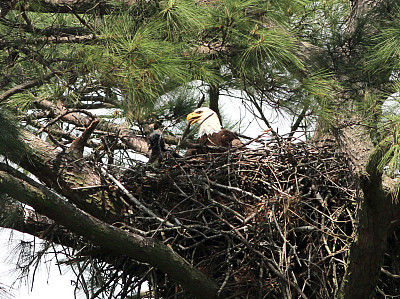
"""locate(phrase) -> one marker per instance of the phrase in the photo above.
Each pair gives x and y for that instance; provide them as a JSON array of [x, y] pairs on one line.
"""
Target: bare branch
[[132, 141], [22, 87], [50, 40], [69, 6], [147, 250]]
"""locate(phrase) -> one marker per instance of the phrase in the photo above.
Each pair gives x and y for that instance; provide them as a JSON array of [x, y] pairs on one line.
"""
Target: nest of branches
[[270, 222]]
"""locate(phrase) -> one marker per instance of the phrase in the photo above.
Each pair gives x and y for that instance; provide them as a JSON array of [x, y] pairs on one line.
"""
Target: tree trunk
[[377, 213], [214, 99], [367, 251], [377, 210]]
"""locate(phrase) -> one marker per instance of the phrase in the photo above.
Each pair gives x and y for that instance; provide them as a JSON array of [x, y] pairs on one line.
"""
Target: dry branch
[[66, 6], [24, 86], [128, 138], [257, 223], [117, 240], [51, 40]]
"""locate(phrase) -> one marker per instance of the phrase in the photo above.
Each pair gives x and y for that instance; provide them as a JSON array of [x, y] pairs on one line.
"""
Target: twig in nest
[[134, 200]]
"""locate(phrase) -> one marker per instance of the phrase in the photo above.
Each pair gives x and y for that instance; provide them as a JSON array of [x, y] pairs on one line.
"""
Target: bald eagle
[[211, 134], [158, 149]]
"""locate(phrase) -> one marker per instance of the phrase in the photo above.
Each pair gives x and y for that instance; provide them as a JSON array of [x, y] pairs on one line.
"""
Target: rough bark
[[376, 214], [108, 237], [25, 86], [128, 137], [28, 221], [117, 240], [214, 99], [132, 141], [367, 252], [66, 175], [66, 6], [377, 209], [375, 224]]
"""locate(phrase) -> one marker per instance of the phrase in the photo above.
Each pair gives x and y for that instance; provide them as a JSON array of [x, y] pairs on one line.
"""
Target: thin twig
[[134, 200]]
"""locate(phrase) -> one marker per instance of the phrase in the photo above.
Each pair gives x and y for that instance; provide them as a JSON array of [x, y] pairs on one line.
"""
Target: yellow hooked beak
[[192, 117]]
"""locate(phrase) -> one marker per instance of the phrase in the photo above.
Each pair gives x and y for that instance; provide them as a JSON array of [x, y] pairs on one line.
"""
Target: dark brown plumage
[[212, 137], [159, 150]]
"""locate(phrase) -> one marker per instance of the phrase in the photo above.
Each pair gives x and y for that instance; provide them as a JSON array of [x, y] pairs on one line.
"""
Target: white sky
[[233, 109], [49, 283]]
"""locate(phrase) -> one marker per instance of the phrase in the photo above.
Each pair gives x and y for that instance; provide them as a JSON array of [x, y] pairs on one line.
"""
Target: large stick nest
[[271, 222]]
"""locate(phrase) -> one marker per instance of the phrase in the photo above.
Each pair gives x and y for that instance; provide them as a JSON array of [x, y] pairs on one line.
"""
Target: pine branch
[[133, 199], [68, 6], [50, 40], [30, 222], [132, 141], [22, 87], [147, 250], [79, 143]]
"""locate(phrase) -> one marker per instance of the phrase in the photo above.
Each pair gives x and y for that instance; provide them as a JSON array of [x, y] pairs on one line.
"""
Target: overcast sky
[[49, 283]]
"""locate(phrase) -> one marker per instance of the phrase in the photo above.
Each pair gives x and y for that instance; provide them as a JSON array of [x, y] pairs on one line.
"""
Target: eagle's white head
[[207, 119]]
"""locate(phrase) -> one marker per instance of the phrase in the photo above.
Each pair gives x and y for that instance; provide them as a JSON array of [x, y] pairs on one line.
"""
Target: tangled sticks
[[270, 222]]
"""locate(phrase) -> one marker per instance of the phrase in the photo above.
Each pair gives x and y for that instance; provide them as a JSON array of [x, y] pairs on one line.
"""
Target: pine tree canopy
[[313, 213]]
